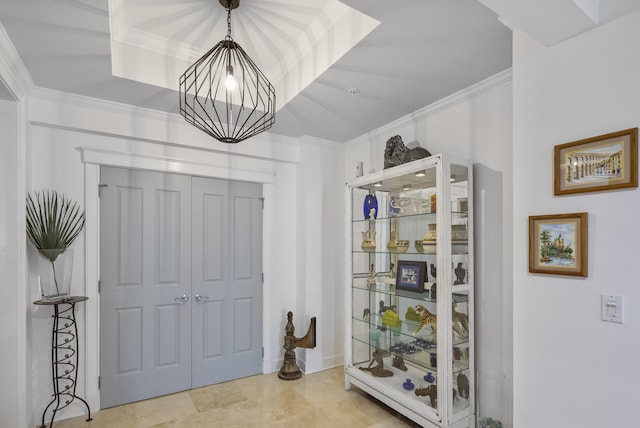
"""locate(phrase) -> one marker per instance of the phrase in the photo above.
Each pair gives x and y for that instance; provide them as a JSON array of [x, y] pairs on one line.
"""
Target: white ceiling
[[553, 21], [422, 51], [401, 55]]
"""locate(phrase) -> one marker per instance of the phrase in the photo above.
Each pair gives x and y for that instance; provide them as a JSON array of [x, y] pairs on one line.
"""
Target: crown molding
[[497, 80], [263, 146], [83, 101], [13, 72], [99, 104]]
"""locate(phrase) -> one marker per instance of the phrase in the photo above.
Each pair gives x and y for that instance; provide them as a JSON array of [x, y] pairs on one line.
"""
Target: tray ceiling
[[292, 41]]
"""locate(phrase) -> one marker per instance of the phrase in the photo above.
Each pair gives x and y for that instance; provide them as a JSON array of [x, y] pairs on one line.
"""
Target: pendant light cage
[[210, 103]]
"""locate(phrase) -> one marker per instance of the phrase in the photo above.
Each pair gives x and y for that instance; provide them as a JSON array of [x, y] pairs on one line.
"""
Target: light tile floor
[[315, 400]]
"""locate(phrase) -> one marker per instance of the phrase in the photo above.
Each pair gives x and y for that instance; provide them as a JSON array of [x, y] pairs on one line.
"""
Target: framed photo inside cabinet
[[605, 162], [558, 244], [410, 276]]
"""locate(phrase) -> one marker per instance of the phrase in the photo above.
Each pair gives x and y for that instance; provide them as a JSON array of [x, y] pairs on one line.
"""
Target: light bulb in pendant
[[230, 83]]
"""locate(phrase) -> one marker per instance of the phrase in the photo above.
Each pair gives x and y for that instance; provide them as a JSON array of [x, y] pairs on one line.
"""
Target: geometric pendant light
[[225, 94]]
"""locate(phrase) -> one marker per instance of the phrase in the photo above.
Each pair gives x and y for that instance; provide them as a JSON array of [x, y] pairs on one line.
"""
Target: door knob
[[182, 298], [198, 297]]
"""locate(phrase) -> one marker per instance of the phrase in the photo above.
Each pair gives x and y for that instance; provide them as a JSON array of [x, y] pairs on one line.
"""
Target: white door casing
[[93, 159]]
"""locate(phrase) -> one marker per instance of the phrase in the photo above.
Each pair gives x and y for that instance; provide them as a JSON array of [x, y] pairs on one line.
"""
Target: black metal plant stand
[[64, 355]]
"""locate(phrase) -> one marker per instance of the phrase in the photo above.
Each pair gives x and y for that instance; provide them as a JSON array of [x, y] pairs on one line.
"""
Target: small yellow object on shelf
[[411, 314], [391, 318]]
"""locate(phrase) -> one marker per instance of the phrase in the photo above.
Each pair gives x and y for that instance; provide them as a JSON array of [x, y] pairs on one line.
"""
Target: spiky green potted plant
[[53, 223]]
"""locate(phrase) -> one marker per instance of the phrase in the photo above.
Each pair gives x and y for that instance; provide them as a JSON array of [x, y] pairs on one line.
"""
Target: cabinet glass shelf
[[389, 289], [403, 334], [431, 216], [458, 296], [420, 358], [430, 249]]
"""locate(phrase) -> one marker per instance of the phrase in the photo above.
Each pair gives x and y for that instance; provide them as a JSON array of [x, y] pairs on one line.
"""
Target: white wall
[[321, 262], [15, 355], [570, 368], [11, 333], [300, 262], [475, 124], [490, 125]]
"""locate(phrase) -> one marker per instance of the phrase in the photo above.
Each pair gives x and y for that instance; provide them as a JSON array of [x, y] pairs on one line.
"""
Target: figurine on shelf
[[430, 391], [457, 353], [371, 278], [426, 319], [463, 385], [396, 245], [365, 314], [398, 362], [460, 272], [384, 308], [378, 370], [368, 240], [460, 322]]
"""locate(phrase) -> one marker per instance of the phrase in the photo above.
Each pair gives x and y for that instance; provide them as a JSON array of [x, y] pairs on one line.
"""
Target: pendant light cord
[[228, 38], [228, 21]]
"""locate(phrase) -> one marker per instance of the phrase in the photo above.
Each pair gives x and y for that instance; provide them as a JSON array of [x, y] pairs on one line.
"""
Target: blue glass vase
[[429, 377], [408, 385], [370, 207]]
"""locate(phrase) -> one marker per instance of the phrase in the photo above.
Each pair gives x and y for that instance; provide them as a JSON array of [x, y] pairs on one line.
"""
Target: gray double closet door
[[180, 283]]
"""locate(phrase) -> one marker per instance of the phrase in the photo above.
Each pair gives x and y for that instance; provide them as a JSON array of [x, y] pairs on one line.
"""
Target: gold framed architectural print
[[605, 162], [558, 244]]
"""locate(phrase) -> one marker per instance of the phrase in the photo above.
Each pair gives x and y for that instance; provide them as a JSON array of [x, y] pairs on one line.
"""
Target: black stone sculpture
[[396, 153]]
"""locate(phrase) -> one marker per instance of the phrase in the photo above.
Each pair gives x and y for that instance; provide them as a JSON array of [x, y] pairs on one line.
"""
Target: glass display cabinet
[[409, 290]]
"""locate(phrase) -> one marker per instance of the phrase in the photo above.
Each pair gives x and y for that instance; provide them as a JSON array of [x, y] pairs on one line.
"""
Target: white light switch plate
[[612, 308]]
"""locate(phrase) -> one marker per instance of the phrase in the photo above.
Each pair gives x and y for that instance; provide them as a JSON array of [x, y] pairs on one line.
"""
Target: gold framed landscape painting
[[558, 244], [605, 162]]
